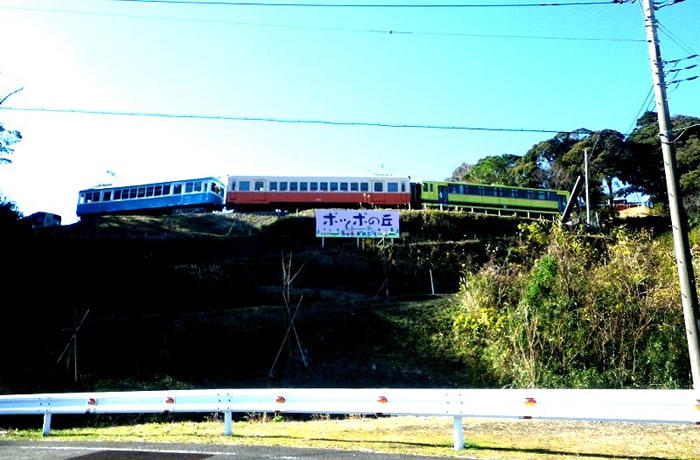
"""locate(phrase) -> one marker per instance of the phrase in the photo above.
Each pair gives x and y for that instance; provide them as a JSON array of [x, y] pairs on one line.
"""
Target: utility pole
[[679, 224], [585, 169]]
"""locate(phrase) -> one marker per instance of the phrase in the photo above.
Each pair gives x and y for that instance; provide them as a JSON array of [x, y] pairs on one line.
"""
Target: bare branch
[[13, 92]]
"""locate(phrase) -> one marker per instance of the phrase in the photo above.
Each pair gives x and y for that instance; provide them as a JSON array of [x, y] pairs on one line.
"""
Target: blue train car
[[204, 194]]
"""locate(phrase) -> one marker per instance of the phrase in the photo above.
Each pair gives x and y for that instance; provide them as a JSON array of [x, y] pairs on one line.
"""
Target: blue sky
[[221, 88]]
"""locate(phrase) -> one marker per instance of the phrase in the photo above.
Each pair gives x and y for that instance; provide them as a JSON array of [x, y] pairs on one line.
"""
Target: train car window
[[243, 186], [334, 186], [133, 193], [273, 186], [323, 186], [197, 186], [426, 187], [354, 186], [303, 186], [378, 187], [392, 187], [343, 186], [177, 189], [107, 195], [283, 186], [293, 186], [313, 186], [259, 186], [149, 190], [364, 186], [158, 190], [117, 194], [188, 187], [141, 192]]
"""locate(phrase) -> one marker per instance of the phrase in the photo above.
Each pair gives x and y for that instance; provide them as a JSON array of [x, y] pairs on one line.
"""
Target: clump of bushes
[[562, 309]]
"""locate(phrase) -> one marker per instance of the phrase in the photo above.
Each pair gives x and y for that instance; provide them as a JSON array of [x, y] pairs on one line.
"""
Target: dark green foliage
[[538, 305], [7, 139], [11, 223], [578, 314]]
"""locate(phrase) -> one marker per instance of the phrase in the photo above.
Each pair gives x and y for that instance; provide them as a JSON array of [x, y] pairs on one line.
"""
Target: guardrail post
[[228, 417], [47, 424], [458, 434]]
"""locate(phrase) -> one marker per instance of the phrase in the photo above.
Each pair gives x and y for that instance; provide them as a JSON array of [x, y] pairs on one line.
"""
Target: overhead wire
[[371, 5], [322, 28], [341, 5], [278, 120]]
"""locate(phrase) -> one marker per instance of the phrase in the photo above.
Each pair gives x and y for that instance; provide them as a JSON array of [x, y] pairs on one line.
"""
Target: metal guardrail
[[652, 406]]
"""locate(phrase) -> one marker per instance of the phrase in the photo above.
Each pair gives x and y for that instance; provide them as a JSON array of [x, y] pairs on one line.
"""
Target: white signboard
[[344, 223]]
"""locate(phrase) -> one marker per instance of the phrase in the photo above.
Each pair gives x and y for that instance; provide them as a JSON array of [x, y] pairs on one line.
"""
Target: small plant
[[263, 417]]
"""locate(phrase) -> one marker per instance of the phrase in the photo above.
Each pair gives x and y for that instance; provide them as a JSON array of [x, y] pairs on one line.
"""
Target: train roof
[[144, 184], [316, 177]]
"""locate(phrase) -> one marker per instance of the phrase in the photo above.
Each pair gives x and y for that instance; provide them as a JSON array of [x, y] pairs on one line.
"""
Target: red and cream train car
[[291, 193]]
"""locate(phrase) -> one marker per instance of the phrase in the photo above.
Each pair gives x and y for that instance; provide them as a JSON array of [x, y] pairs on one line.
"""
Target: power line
[[646, 106], [282, 120], [366, 5], [332, 29]]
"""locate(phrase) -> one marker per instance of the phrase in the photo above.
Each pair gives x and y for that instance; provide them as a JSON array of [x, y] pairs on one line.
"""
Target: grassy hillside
[[202, 299], [206, 299]]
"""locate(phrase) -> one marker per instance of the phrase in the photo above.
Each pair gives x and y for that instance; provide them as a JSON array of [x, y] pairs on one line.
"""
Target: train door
[[563, 201], [378, 192], [442, 195], [260, 189]]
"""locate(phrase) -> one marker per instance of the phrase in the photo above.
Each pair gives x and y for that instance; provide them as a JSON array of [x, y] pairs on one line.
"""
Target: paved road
[[47, 450]]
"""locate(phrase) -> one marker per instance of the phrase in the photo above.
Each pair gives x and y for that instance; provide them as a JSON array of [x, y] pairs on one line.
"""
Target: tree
[[11, 223], [644, 168], [8, 137], [604, 150], [461, 172], [538, 167], [490, 170]]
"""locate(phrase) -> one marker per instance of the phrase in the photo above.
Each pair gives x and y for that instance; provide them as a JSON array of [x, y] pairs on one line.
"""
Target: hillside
[[202, 300]]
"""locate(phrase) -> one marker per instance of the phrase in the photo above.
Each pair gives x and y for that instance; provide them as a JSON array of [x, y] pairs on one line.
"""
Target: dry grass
[[637, 211], [496, 439]]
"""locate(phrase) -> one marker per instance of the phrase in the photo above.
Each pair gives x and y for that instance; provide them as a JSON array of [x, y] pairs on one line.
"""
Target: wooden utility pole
[[684, 263]]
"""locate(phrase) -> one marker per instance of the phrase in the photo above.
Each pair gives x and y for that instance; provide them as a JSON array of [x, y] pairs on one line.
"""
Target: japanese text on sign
[[342, 223]]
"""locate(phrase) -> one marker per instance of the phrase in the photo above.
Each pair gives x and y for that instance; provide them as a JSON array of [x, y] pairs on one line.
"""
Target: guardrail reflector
[[91, 402], [169, 400], [281, 399], [382, 400], [529, 402]]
